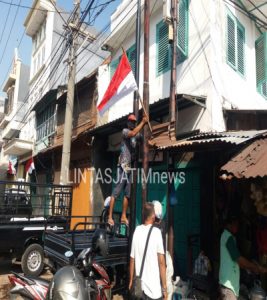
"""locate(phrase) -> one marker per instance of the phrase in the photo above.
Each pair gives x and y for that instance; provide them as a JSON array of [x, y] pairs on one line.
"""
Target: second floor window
[[38, 49], [162, 39], [131, 57], [39, 37], [235, 51], [261, 64], [45, 121]]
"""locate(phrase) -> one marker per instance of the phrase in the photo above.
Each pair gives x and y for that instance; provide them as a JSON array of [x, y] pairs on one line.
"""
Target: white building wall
[[239, 91], [204, 73]]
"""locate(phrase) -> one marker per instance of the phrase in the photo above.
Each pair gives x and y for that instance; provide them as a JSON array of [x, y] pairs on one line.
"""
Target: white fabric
[[157, 209], [107, 201], [151, 277], [127, 86], [169, 273]]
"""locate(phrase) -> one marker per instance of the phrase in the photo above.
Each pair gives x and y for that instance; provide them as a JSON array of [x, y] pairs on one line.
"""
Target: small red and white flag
[[11, 169], [30, 166], [121, 84]]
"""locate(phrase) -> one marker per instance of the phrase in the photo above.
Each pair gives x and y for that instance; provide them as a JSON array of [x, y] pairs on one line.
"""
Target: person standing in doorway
[[130, 136], [231, 261], [154, 270]]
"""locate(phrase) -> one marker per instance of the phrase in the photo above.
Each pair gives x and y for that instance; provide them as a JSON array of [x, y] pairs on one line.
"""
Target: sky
[[12, 29]]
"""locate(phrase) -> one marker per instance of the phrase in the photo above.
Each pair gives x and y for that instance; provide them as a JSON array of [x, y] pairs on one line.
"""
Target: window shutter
[[182, 31], [264, 89], [131, 53], [113, 66], [261, 59], [240, 48], [163, 49], [231, 41]]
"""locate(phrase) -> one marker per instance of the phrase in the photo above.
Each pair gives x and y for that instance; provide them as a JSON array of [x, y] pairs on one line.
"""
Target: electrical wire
[[53, 70], [59, 13], [8, 70], [56, 65], [6, 21], [239, 8], [47, 63], [105, 28], [29, 7], [9, 34]]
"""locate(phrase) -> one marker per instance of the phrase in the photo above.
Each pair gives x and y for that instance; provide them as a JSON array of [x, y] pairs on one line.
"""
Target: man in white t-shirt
[[154, 271]]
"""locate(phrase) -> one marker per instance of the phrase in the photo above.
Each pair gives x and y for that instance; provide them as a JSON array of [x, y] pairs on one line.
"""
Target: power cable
[[238, 7], [56, 65], [5, 22], [59, 13], [99, 35], [53, 70], [47, 63], [29, 7], [53, 55], [9, 34], [8, 70]]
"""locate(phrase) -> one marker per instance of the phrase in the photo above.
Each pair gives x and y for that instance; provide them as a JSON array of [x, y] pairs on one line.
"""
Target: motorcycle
[[84, 280], [28, 288]]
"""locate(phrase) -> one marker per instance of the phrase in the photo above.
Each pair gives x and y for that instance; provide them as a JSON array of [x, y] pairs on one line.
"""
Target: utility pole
[[65, 161], [146, 100], [172, 116], [136, 113]]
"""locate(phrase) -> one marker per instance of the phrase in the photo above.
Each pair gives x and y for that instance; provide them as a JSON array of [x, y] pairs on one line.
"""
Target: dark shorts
[[123, 182], [145, 297], [227, 294]]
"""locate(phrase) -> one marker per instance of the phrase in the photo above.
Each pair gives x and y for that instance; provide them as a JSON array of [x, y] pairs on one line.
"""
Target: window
[[131, 57], [131, 53], [39, 37], [235, 44], [113, 66], [162, 40], [261, 64], [163, 48], [45, 121], [9, 101], [182, 31]]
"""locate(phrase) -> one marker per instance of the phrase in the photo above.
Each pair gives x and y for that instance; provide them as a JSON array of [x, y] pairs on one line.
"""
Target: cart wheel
[[32, 262]]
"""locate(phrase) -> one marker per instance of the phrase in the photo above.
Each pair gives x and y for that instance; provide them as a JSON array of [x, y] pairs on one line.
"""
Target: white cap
[[107, 201], [157, 208]]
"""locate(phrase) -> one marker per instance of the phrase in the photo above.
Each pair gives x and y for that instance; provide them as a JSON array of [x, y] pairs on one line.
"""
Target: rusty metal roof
[[162, 140], [250, 162]]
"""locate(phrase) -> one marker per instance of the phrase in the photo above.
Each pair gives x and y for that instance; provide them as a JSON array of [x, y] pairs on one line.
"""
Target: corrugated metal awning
[[162, 141], [251, 162]]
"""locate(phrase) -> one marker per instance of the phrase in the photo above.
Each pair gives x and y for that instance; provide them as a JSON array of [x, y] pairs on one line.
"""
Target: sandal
[[126, 222]]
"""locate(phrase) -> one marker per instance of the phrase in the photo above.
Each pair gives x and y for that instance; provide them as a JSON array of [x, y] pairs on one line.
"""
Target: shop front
[[244, 181]]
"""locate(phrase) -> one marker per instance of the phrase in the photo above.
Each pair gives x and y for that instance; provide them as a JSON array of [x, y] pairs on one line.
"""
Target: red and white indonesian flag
[[121, 84], [29, 166]]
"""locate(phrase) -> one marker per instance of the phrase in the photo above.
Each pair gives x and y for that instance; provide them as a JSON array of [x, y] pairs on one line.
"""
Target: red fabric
[[123, 69], [262, 240], [11, 169], [29, 164]]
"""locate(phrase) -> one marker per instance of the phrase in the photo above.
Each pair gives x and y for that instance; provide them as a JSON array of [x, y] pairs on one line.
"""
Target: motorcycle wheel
[[32, 262]]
